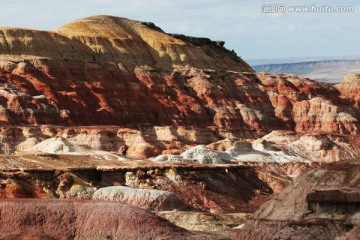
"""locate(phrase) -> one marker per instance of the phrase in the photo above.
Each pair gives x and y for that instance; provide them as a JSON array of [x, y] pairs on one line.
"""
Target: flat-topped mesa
[[113, 39]]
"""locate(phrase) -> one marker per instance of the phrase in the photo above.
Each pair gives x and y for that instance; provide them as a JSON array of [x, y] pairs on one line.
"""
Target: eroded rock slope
[[112, 71], [321, 204], [69, 219]]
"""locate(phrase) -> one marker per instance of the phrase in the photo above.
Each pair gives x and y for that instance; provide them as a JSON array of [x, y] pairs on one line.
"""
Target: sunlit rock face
[[350, 89], [108, 70], [163, 92]]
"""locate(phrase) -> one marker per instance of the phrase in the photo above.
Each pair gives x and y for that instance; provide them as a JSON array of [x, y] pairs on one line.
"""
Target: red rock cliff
[[114, 71]]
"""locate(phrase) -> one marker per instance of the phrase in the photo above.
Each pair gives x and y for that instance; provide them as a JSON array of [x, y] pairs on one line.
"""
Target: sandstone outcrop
[[57, 145], [322, 115], [102, 140], [203, 221], [244, 151], [92, 139], [350, 89], [253, 104], [217, 188], [204, 155], [277, 146], [318, 205], [105, 70], [154, 200], [227, 189], [290, 146]]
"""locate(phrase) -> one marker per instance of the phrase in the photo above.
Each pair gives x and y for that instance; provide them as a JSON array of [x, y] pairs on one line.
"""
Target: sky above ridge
[[255, 29]]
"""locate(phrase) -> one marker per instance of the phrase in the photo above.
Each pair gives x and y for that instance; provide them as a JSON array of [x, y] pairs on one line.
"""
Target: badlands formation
[[211, 141]]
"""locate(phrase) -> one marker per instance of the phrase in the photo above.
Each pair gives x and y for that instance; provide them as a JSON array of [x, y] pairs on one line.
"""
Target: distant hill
[[332, 71]]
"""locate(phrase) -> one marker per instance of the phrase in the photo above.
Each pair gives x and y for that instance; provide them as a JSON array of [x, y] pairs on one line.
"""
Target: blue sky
[[240, 23]]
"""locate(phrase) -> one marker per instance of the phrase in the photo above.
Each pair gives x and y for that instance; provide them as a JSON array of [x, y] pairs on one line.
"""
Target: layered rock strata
[[218, 189], [321, 204], [112, 71], [69, 219], [154, 200]]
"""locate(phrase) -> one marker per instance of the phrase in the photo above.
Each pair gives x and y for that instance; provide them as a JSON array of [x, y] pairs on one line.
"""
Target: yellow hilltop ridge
[[118, 40]]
